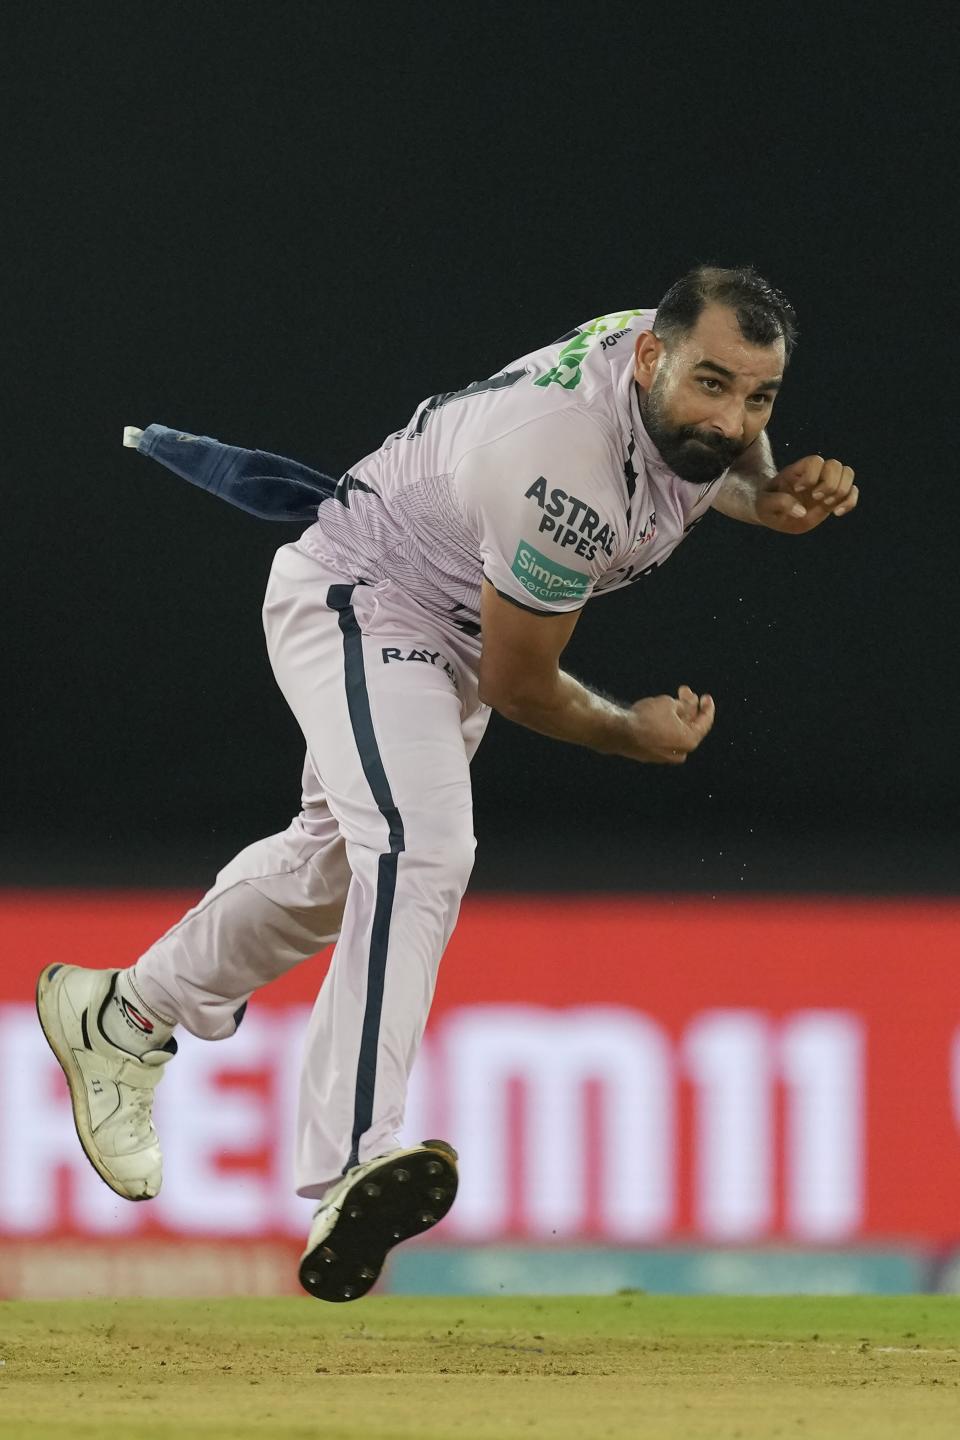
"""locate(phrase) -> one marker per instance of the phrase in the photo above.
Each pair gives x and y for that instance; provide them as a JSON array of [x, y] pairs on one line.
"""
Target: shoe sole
[[53, 1032], [405, 1196]]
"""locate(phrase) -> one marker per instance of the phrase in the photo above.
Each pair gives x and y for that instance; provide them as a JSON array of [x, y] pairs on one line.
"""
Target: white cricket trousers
[[378, 859]]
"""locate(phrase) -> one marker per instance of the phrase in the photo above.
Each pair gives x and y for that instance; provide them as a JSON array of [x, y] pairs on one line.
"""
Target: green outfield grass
[[628, 1365]]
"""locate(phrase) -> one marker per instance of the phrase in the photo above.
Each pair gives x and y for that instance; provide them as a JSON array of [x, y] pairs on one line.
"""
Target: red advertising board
[[634, 1071]]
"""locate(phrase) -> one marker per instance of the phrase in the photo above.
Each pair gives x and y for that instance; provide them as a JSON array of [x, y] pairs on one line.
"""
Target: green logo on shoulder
[[567, 371], [545, 578]]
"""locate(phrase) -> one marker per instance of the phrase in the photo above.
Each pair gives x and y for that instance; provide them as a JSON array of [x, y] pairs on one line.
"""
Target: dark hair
[[763, 313]]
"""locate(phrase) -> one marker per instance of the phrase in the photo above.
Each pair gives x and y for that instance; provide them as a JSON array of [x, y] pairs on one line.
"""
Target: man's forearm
[[572, 712], [737, 496], [658, 730]]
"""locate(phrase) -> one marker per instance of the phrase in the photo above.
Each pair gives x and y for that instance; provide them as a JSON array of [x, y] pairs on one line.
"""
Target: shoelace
[[139, 1114], [141, 1102], [139, 1085]]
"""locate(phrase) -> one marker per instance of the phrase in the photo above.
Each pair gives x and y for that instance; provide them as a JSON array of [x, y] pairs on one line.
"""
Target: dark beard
[[698, 456]]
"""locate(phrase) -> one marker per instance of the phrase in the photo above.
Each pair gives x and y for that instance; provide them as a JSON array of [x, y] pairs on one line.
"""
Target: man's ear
[[646, 358]]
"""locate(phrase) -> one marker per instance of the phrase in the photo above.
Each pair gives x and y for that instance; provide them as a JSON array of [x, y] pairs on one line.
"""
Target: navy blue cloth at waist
[[262, 484]]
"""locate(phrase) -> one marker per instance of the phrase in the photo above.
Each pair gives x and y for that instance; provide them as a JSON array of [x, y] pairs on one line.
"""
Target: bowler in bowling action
[[440, 578]]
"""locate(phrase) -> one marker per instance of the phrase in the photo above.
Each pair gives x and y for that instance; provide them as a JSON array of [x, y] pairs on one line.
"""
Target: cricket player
[[440, 578]]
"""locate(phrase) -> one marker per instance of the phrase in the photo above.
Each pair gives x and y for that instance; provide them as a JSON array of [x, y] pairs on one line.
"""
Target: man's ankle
[[125, 1020]]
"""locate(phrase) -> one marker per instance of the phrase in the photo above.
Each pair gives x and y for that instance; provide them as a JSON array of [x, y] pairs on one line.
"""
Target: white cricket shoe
[[373, 1208], [111, 1089]]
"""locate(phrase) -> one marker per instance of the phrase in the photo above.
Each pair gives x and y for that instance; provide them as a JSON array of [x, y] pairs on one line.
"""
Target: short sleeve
[[545, 506]]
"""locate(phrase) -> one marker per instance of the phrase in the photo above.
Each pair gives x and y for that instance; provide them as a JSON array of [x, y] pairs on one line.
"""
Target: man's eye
[[707, 381], [761, 399]]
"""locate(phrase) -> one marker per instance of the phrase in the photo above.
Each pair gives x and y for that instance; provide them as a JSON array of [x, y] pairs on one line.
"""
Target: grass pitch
[[638, 1366]]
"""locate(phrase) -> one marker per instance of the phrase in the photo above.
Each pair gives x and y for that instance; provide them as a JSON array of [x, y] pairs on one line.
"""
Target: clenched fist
[[667, 730], [805, 494]]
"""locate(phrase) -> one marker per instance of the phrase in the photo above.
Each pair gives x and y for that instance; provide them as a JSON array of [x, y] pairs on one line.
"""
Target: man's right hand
[[668, 729], [520, 677]]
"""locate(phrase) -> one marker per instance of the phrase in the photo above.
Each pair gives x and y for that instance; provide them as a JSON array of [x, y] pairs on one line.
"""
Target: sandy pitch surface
[[633, 1366]]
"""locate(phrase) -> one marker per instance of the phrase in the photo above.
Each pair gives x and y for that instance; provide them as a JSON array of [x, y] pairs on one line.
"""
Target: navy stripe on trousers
[[358, 706]]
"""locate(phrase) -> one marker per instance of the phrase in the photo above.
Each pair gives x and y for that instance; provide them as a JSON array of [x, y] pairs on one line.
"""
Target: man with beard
[[441, 576]]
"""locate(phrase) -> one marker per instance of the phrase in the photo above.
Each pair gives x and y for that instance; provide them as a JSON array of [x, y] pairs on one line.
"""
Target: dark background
[[285, 224]]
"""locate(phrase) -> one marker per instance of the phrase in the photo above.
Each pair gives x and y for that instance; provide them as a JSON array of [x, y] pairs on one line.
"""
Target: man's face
[[705, 397]]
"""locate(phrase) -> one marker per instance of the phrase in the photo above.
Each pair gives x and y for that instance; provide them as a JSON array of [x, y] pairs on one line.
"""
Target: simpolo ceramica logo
[[544, 578]]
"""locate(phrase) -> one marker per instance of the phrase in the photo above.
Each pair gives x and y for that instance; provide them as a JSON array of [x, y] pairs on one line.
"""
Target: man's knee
[[446, 849], [308, 861]]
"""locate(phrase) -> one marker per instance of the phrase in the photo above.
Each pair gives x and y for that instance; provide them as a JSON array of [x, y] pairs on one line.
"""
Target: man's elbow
[[498, 694], [515, 697], [500, 688]]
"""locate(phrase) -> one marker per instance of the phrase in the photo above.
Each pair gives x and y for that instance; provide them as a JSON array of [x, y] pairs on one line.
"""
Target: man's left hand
[[805, 494]]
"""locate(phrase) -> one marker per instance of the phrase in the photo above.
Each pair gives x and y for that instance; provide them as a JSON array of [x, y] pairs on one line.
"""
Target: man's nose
[[728, 418]]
